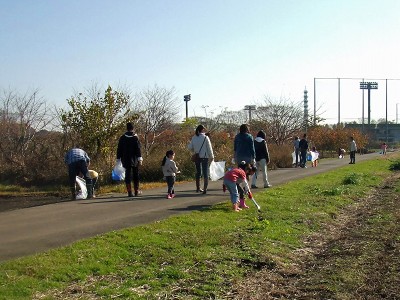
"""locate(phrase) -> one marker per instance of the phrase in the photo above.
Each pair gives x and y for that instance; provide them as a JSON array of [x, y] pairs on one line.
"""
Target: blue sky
[[226, 54]]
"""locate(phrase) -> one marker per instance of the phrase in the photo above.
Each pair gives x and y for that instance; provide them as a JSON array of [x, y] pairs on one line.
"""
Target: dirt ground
[[356, 258]]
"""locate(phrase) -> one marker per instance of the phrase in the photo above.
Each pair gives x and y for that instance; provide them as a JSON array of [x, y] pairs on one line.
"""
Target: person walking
[[262, 160], [303, 145], [169, 170], [200, 144], [384, 148], [129, 152], [244, 152], [353, 149], [78, 162]]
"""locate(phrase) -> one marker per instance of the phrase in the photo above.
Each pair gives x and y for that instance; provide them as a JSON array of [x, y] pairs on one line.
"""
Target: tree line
[[34, 136]]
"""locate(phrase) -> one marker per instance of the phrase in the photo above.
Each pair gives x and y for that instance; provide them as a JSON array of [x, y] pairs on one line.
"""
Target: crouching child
[[235, 181]]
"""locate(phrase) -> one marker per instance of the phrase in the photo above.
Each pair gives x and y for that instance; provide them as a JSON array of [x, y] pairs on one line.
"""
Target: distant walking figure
[[353, 149], [303, 145]]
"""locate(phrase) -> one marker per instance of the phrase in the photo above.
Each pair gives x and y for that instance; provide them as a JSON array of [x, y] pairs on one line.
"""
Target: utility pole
[[250, 108], [186, 98]]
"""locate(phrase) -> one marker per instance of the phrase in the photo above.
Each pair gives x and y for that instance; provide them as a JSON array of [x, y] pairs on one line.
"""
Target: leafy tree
[[94, 121]]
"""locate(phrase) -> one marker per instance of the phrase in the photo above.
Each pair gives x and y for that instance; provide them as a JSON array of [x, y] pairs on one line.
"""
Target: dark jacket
[[129, 149], [260, 145], [303, 145]]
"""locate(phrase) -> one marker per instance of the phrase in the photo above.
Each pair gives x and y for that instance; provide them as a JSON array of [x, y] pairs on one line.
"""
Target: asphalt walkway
[[37, 229]]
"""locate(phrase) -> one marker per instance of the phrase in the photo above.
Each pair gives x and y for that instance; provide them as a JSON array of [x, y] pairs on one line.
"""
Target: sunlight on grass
[[193, 256]]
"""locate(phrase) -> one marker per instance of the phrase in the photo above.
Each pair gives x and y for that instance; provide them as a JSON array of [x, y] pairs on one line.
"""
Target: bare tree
[[281, 120], [157, 110], [22, 116]]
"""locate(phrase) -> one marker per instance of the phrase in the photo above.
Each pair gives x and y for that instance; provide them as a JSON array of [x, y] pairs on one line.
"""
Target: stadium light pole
[[186, 98], [250, 108], [369, 86]]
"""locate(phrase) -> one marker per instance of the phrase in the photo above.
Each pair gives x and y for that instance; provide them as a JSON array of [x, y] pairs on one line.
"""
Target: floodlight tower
[[305, 109], [250, 108], [186, 98], [369, 86]]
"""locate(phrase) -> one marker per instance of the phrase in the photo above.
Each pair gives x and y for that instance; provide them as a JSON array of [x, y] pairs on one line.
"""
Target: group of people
[[128, 152], [250, 155], [300, 147]]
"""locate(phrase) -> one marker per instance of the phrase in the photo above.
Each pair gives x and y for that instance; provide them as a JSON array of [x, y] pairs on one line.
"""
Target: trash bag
[[217, 170], [82, 193], [118, 173], [309, 156], [294, 158]]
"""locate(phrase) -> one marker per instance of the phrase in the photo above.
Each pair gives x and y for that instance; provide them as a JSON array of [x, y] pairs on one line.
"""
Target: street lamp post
[[397, 113], [250, 108], [186, 98], [369, 86]]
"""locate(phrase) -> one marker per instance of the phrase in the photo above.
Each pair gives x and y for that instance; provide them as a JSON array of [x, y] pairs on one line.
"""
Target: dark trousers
[[77, 168], [303, 157], [352, 157], [170, 183], [202, 168], [132, 173]]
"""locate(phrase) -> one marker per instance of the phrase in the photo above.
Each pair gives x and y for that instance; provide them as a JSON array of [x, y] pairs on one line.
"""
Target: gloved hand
[[250, 195], [233, 161]]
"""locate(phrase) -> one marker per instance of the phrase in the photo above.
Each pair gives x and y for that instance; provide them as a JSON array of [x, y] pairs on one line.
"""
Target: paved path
[[36, 229]]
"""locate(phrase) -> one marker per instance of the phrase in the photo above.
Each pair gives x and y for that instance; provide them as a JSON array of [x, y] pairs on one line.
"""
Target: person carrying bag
[[200, 144]]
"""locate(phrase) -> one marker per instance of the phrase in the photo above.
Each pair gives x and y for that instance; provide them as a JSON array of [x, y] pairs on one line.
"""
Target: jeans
[[232, 187]]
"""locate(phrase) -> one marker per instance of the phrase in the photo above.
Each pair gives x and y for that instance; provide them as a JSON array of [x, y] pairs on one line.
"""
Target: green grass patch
[[193, 256]]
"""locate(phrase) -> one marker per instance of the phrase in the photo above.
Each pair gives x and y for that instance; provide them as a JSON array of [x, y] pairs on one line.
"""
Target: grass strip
[[193, 256]]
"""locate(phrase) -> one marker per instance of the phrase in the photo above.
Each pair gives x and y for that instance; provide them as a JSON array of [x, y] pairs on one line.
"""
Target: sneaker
[[267, 186], [130, 194], [169, 196], [138, 192], [254, 186], [172, 195]]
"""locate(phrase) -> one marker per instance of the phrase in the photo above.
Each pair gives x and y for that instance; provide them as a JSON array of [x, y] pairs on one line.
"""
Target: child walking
[[170, 170], [234, 180]]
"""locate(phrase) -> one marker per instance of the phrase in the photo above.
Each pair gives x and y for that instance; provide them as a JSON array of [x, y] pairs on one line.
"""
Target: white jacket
[[204, 151]]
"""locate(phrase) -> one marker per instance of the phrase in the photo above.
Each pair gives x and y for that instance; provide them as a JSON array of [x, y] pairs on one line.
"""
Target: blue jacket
[[244, 148]]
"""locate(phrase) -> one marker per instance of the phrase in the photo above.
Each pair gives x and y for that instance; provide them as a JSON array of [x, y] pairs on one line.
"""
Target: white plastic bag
[[217, 170], [118, 173], [82, 194], [294, 158]]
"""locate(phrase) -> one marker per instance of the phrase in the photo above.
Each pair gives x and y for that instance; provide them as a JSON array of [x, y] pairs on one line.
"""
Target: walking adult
[[303, 145], [244, 152], [129, 152], [244, 146], [262, 159], [353, 149], [78, 162], [200, 144]]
